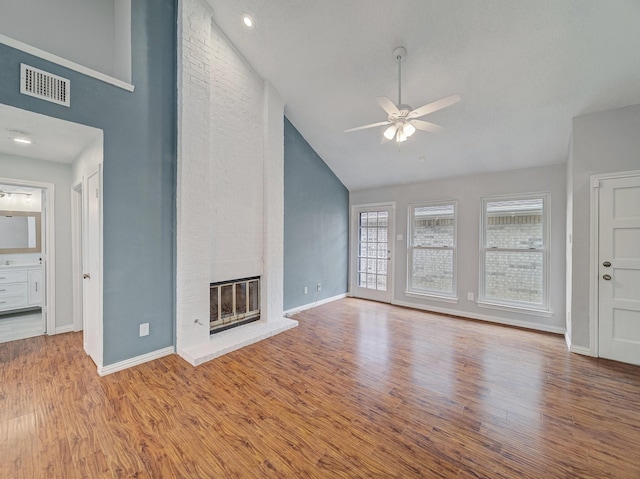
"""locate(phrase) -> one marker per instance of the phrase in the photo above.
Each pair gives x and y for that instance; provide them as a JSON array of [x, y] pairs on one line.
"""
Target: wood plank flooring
[[358, 390]]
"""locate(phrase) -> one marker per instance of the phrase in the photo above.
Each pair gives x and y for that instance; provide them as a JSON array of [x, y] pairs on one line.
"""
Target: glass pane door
[[373, 253]]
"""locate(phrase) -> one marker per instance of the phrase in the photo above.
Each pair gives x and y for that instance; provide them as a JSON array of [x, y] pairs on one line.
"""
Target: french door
[[372, 252]]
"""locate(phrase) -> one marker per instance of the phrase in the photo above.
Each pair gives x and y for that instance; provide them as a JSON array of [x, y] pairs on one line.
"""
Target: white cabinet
[[20, 288], [35, 287]]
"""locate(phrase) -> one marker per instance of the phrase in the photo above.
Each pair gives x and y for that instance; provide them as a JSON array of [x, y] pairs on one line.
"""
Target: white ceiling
[[524, 69], [52, 139]]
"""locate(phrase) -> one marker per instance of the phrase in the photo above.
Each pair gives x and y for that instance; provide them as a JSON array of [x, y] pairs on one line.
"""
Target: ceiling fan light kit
[[403, 119]]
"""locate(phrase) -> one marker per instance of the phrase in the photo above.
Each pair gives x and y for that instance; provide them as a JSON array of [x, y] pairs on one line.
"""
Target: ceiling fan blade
[[364, 127], [426, 126], [388, 106], [435, 106]]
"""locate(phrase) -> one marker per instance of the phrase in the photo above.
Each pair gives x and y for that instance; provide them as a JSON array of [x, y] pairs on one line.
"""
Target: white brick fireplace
[[230, 186]]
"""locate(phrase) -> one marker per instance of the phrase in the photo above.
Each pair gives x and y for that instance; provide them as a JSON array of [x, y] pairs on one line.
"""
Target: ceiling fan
[[403, 119]]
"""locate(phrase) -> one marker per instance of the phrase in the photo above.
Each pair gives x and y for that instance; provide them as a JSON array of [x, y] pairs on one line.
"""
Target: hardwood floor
[[359, 389]]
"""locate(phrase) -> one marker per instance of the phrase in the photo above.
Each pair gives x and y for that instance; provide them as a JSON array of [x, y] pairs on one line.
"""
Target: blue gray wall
[[139, 175], [316, 225]]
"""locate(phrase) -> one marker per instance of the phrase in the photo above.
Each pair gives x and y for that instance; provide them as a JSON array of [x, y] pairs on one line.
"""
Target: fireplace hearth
[[233, 303]]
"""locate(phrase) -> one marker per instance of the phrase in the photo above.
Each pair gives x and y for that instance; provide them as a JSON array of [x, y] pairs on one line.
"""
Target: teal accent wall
[[139, 175], [316, 225]]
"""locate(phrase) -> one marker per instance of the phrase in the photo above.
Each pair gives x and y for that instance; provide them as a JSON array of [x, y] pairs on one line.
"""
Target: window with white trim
[[514, 258], [432, 249]]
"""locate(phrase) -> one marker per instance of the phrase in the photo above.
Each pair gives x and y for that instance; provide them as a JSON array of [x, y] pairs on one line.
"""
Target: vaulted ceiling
[[524, 69]]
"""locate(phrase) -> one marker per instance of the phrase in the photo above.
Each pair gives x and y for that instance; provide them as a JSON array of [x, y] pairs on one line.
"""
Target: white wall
[[59, 174], [88, 160], [235, 188], [468, 191], [95, 31], [605, 142], [21, 202], [194, 151], [569, 247], [230, 195]]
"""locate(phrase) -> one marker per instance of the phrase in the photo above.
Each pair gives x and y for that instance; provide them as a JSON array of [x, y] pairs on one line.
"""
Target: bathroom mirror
[[19, 232]]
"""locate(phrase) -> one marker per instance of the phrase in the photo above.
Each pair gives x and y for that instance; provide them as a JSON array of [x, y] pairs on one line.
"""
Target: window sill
[[435, 297], [516, 309]]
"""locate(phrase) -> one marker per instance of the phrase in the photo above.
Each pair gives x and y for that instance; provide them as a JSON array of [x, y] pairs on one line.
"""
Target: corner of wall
[[192, 245], [273, 205]]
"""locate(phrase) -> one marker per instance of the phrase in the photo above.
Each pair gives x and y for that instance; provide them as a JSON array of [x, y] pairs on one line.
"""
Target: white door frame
[[76, 252], [594, 253], [48, 249], [353, 247]]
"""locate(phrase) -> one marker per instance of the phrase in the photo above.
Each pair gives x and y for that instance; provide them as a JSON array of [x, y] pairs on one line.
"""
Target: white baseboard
[[298, 309], [64, 329], [483, 317], [581, 350], [127, 363]]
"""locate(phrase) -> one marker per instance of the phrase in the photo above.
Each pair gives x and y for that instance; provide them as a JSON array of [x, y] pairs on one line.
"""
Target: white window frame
[[433, 294], [512, 305]]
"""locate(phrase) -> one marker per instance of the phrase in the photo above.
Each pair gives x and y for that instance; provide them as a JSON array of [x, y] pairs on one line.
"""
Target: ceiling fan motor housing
[[403, 110]]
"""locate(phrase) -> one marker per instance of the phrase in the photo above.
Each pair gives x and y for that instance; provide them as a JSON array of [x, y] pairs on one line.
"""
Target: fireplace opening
[[233, 303]]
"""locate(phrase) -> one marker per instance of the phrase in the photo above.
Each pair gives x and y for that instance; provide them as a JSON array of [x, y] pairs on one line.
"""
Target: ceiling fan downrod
[[399, 53]]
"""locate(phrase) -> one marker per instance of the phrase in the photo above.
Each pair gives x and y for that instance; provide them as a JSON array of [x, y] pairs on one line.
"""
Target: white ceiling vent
[[44, 85]]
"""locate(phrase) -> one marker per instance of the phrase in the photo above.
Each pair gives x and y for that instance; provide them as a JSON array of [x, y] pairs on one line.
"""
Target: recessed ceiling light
[[24, 141], [248, 20]]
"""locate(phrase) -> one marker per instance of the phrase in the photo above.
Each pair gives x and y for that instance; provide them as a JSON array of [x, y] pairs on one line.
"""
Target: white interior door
[[372, 252], [91, 268], [619, 269]]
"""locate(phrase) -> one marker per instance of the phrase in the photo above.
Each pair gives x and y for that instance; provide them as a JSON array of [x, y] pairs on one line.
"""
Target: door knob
[[606, 277], [606, 264], [86, 276]]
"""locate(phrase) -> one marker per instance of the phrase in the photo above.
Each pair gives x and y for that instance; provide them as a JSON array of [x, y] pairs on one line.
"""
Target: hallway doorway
[[52, 155]]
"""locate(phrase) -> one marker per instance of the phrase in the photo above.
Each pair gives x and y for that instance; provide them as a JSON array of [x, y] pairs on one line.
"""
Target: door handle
[[606, 264], [606, 277], [86, 276]]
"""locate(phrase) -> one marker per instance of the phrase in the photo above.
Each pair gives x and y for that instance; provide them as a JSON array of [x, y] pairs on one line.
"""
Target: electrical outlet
[[306, 290], [470, 296], [319, 287], [144, 329]]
